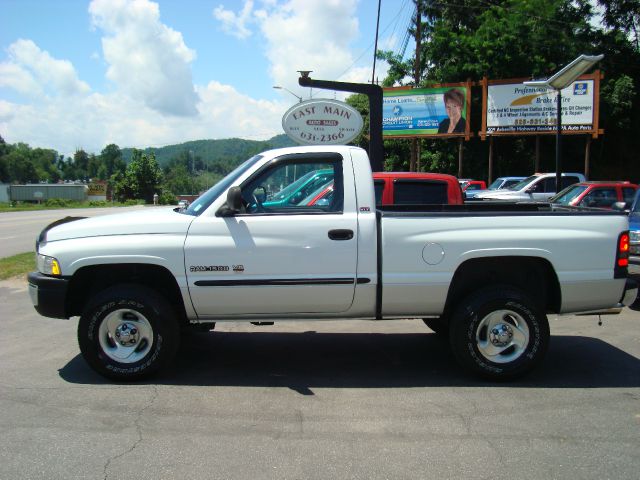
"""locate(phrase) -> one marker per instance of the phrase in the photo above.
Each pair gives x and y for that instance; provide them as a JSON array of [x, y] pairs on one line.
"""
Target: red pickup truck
[[467, 184], [405, 188]]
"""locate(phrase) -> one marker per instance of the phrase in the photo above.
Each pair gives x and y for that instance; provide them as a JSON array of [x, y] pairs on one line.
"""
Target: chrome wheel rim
[[502, 336], [125, 336]]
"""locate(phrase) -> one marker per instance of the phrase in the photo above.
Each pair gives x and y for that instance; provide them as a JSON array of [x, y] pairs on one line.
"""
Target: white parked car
[[539, 187], [499, 183]]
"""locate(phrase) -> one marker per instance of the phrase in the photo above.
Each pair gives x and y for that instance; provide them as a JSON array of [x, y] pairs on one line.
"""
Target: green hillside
[[228, 151]]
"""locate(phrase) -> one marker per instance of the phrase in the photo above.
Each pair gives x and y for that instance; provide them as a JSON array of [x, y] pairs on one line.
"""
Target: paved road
[[357, 400], [18, 230]]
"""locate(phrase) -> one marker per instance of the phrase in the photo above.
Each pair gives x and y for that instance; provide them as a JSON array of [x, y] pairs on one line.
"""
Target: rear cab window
[[416, 192]]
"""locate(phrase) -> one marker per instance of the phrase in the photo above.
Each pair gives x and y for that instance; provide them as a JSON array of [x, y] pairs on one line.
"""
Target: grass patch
[[56, 204], [20, 264]]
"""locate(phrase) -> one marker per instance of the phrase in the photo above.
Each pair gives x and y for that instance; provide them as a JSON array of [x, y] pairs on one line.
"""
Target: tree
[[81, 164], [111, 159], [177, 180], [141, 180]]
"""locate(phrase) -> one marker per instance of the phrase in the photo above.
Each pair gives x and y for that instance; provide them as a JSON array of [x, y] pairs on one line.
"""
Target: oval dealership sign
[[322, 122]]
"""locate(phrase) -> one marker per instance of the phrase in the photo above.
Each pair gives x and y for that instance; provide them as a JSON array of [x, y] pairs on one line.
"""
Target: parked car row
[[316, 188]]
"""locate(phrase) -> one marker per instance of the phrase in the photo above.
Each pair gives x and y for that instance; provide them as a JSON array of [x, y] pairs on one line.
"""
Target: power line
[[370, 46], [403, 8], [375, 49]]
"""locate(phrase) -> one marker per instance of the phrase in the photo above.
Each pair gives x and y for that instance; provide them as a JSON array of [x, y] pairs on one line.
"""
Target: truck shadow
[[303, 361]]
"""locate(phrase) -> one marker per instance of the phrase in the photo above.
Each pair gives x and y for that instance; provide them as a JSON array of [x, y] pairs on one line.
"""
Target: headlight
[[634, 235], [48, 265]]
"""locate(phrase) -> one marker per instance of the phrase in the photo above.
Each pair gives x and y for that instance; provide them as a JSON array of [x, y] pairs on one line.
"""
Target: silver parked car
[[536, 188]]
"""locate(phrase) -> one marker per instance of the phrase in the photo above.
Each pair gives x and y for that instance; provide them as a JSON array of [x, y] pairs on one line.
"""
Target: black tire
[[128, 332], [508, 317], [440, 326]]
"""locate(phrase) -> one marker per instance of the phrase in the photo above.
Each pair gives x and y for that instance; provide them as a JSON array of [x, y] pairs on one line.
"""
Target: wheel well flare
[[88, 281], [533, 275]]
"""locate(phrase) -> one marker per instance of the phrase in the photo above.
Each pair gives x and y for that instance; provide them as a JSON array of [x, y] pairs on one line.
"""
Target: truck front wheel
[[499, 333], [128, 332]]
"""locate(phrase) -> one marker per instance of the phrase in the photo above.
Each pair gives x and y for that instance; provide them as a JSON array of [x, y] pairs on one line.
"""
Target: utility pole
[[416, 77]]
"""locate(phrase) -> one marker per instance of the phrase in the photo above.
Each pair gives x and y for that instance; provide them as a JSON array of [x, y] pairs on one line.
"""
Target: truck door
[[278, 257]]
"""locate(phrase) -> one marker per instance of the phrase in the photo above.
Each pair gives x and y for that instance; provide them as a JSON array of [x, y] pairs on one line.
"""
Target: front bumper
[[48, 294]]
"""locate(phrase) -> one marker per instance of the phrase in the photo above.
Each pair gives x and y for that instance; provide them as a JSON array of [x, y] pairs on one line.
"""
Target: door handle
[[341, 234]]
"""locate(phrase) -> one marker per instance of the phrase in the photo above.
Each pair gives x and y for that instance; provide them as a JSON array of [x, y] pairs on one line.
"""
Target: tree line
[[131, 174]]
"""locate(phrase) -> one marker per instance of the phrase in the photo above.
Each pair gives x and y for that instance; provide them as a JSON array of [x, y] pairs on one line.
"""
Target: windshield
[[201, 203], [523, 183], [508, 183], [568, 194], [496, 184]]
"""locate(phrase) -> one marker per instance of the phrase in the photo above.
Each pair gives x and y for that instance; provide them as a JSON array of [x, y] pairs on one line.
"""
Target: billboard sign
[[411, 112], [97, 191], [322, 122], [515, 108]]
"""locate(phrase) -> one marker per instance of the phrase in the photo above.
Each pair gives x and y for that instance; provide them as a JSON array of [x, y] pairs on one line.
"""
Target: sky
[[83, 74]]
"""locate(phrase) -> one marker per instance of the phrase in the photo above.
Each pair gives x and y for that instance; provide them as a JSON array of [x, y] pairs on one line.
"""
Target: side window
[[416, 192], [569, 180], [628, 194], [378, 186], [549, 185], [600, 197], [295, 186]]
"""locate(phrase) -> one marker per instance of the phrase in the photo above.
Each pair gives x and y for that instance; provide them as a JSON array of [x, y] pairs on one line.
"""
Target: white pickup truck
[[257, 248]]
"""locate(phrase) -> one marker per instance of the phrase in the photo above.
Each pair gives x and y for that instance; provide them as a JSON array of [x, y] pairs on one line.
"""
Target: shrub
[[58, 202]]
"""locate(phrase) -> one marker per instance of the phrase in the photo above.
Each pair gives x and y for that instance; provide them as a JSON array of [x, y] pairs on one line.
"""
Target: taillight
[[622, 256]]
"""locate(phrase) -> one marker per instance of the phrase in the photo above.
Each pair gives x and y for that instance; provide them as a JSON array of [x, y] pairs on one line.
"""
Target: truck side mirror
[[233, 204]]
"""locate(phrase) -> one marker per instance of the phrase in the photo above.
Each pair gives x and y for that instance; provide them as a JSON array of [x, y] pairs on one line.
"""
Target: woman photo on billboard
[[453, 103]]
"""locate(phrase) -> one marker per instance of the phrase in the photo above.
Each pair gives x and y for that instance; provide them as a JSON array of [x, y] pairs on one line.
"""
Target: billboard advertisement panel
[[437, 111], [515, 108]]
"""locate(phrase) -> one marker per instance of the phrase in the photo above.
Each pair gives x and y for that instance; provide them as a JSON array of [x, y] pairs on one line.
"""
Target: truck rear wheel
[[128, 332], [499, 333]]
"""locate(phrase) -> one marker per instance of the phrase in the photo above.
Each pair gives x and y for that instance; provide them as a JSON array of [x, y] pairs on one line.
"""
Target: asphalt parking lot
[[318, 400]]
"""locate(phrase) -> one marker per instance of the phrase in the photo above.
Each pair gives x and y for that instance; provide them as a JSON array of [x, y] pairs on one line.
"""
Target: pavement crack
[[137, 424]]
